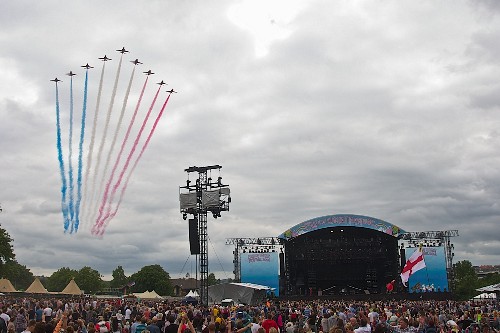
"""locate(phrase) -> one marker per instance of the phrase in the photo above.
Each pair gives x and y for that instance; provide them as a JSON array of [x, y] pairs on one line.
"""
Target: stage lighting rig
[[198, 199]]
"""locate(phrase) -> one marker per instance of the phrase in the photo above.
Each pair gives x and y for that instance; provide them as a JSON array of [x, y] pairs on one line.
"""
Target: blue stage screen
[[261, 268], [433, 277]]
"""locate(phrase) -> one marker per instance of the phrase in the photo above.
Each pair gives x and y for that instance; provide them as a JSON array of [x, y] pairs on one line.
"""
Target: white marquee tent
[[247, 293], [485, 296], [494, 288]]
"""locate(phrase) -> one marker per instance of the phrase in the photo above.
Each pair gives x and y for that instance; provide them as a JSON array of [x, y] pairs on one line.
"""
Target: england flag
[[414, 263]]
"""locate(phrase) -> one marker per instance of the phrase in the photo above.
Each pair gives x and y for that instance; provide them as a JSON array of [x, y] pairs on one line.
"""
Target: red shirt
[[268, 323]]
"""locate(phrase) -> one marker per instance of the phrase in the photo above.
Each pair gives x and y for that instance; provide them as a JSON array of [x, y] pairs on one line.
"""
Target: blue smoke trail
[[70, 159], [80, 153], [61, 165]]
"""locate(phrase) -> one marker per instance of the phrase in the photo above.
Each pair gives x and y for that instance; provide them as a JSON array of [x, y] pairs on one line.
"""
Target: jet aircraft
[[122, 51], [87, 66], [136, 62], [105, 58], [148, 72], [161, 83], [70, 73], [56, 80], [172, 91]]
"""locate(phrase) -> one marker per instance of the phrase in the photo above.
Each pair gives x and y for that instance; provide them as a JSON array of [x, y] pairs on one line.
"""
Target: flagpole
[[420, 249], [427, 274]]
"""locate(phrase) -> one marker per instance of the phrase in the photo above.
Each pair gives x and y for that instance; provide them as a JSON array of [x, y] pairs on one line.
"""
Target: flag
[[414, 263]]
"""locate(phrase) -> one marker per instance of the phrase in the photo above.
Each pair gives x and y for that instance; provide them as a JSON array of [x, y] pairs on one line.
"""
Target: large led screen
[[433, 277], [261, 268]]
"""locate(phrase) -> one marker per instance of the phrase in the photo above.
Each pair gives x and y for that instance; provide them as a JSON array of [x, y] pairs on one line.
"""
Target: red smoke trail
[[100, 222], [117, 130], [135, 164], [118, 158]]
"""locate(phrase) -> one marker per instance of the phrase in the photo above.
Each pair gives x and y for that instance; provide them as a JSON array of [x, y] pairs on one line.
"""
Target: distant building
[[484, 270], [182, 286]]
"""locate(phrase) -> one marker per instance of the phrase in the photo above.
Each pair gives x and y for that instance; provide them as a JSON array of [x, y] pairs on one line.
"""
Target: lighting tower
[[205, 195]]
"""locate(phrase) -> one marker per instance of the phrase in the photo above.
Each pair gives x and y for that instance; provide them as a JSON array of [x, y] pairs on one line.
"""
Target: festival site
[[250, 166], [277, 290]]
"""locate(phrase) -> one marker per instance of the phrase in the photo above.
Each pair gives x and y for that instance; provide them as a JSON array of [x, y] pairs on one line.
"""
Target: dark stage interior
[[340, 261]]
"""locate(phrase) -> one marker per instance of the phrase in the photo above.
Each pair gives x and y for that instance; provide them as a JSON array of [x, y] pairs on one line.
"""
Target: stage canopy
[[6, 286], [148, 295], [37, 287], [246, 293], [72, 289], [342, 220], [193, 294]]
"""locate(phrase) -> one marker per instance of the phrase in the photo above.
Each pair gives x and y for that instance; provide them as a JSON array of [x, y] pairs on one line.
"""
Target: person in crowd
[[116, 325], [152, 326], [403, 327], [38, 313], [47, 314], [30, 328], [269, 322], [21, 322], [364, 326]]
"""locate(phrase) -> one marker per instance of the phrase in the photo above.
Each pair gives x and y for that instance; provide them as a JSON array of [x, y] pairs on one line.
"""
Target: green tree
[[212, 280], [60, 279], [489, 279], [6, 250], [466, 280], [152, 277], [119, 278], [20, 276], [89, 280]]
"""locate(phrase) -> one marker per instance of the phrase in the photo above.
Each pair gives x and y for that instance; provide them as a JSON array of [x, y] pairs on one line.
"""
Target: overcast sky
[[389, 109]]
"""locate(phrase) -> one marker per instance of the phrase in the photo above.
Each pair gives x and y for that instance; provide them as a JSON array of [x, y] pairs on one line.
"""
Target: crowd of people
[[27, 315]]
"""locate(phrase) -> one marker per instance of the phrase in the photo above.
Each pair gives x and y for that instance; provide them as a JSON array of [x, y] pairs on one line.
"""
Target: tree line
[[466, 281], [152, 277]]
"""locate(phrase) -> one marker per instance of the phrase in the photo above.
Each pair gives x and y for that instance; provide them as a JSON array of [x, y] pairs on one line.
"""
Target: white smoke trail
[[120, 120], [86, 206], [98, 191]]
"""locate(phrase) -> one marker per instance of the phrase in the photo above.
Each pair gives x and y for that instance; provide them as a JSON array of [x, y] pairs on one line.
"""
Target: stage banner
[[261, 268], [433, 277]]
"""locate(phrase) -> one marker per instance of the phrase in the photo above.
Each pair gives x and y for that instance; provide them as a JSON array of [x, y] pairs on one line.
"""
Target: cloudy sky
[[389, 109]]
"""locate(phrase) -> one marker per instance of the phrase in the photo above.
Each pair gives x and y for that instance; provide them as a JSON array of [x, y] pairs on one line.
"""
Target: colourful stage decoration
[[342, 220]]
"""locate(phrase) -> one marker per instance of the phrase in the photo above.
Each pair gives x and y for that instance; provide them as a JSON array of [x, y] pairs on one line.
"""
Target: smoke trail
[[70, 158], [100, 222], [103, 141], [135, 164], [61, 164], [80, 154], [125, 139], [113, 143], [91, 148]]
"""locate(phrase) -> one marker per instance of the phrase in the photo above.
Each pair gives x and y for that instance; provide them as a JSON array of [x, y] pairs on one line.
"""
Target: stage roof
[[342, 220]]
